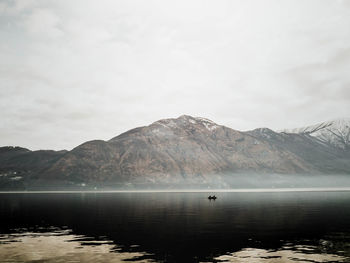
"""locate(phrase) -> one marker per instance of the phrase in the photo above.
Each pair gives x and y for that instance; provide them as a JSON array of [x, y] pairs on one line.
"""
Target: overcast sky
[[72, 71]]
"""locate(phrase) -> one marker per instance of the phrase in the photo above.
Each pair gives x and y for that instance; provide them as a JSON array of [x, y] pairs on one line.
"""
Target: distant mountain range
[[187, 150], [336, 133]]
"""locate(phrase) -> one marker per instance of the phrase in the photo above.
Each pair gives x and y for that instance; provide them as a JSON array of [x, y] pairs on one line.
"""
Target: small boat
[[212, 197]]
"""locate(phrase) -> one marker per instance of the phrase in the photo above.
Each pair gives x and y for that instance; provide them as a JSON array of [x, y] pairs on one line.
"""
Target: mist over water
[[267, 180], [212, 181], [176, 227]]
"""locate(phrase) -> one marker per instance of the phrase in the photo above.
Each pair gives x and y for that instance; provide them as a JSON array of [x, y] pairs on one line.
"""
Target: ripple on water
[[299, 253], [54, 247]]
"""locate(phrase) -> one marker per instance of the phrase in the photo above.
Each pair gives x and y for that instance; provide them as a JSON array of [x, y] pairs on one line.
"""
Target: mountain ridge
[[184, 149]]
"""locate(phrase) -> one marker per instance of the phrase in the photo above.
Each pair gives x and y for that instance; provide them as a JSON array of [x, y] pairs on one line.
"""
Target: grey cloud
[[71, 71]]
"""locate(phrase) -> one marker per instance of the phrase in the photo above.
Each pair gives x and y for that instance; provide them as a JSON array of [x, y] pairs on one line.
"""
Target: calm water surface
[[175, 227]]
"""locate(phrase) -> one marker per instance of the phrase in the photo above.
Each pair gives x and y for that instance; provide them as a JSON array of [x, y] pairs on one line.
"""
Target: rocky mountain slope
[[186, 149]]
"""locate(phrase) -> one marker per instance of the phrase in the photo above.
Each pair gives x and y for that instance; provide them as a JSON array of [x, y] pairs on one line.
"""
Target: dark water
[[175, 227]]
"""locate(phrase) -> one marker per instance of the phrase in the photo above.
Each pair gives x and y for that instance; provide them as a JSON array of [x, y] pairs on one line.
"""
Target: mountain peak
[[187, 120], [185, 117], [199, 119]]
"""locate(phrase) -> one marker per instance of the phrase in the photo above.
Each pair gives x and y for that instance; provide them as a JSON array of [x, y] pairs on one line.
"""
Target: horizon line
[[243, 190]]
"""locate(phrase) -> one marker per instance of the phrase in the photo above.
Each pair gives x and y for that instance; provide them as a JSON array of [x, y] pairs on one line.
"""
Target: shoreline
[[243, 190]]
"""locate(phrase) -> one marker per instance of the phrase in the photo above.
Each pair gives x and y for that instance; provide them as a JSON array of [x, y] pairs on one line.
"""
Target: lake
[[175, 227]]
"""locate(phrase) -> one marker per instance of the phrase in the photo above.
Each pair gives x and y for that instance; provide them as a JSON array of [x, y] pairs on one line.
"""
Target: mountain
[[322, 156], [174, 149], [336, 132], [185, 150], [18, 164]]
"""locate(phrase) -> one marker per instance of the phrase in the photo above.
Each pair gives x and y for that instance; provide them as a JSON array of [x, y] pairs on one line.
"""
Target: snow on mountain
[[336, 132], [210, 125], [188, 120]]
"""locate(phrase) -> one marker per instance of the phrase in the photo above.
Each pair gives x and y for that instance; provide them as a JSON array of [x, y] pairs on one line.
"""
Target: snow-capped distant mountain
[[336, 132]]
